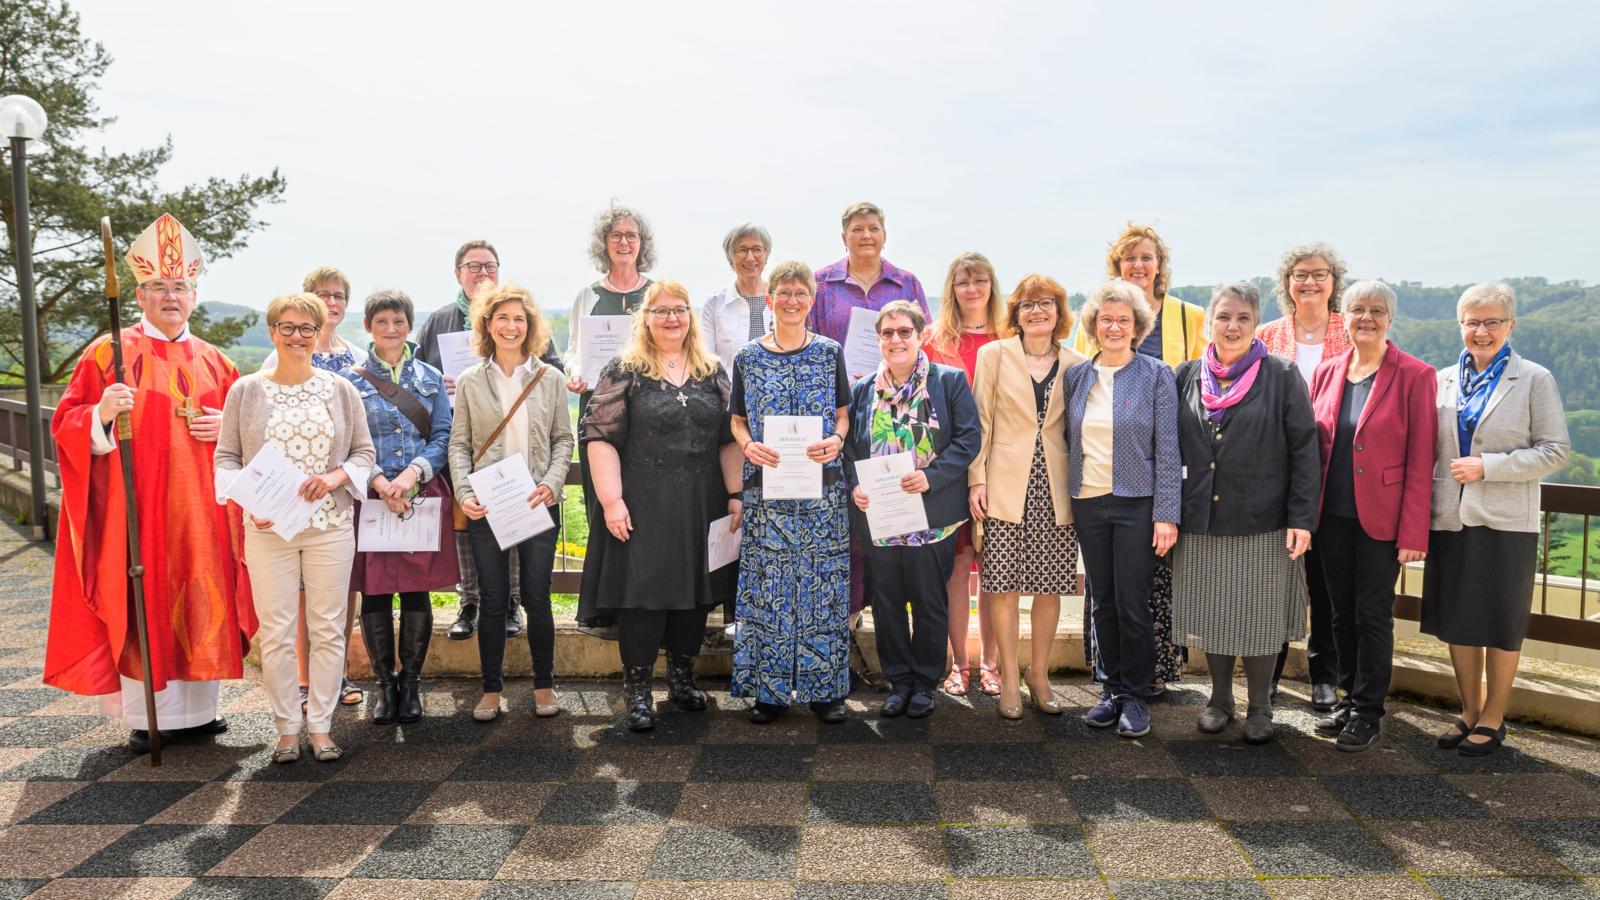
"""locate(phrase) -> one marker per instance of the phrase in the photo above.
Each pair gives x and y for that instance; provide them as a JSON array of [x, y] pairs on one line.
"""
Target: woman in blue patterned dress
[[793, 640]]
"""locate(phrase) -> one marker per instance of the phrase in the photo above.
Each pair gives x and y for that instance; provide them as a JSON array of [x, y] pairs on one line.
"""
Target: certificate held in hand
[[796, 476], [378, 530], [891, 510], [600, 339], [503, 489], [268, 487], [456, 355], [861, 351]]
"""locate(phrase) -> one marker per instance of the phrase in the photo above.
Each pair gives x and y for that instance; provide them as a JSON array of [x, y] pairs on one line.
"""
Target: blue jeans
[[1115, 536]]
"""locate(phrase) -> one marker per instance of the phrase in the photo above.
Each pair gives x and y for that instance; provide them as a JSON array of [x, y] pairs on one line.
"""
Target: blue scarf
[[1473, 393]]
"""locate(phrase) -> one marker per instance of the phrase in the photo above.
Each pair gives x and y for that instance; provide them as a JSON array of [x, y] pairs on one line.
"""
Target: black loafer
[[831, 712], [1497, 736], [1324, 697], [139, 740], [893, 705], [466, 623], [920, 704], [1452, 739], [766, 713]]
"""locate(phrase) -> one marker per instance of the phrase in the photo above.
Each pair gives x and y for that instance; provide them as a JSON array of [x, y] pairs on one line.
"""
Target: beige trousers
[[321, 559]]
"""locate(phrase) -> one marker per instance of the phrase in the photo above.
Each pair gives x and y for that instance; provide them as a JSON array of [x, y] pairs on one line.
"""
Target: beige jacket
[[478, 412], [1521, 437], [1010, 421]]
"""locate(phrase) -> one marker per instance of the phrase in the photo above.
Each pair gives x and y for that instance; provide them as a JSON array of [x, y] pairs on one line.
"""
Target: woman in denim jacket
[[401, 394]]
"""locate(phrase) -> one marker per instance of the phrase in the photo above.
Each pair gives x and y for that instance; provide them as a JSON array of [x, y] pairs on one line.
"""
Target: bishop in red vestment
[[197, 593]]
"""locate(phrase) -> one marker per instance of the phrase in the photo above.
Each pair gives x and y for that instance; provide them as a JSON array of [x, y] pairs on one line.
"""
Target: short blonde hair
[[1124, 244], [306, 304], [493, 296], [1115, 290], [325, 273], [856, 210], [643, 357], [947, 328], [791, 272], [1038, 287]]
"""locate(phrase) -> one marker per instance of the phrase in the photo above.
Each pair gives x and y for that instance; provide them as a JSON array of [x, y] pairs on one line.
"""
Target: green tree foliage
[[1584, 426], [43, 55]]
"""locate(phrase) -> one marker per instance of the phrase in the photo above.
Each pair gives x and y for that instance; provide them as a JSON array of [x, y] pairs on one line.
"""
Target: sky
[[1445, 143]]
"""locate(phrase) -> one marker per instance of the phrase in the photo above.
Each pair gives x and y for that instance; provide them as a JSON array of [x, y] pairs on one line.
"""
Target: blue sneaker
[[1135, 719], [1104, 714]]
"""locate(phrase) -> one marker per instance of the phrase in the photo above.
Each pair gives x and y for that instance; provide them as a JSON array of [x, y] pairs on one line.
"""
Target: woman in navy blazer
[[1125, 479], [912, 405], [1374, 406]]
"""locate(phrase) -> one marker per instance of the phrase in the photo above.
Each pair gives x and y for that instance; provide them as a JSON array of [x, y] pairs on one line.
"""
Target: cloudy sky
[[1438, 142]]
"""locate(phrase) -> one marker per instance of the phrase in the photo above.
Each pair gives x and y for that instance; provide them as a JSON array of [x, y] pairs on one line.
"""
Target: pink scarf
[[1212, 395]]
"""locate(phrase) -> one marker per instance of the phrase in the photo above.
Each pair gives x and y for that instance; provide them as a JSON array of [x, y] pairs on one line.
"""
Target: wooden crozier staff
[[124, 425]]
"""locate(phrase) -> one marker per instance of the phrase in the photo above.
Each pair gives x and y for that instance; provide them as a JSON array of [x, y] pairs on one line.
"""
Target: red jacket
[[1393, 444]]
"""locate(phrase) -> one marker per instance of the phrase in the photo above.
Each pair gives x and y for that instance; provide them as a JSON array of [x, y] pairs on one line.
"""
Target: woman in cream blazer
[[1017, 485]]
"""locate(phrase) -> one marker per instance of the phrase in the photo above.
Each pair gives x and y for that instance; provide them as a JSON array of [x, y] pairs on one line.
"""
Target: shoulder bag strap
[[545, 367], [402, 399]]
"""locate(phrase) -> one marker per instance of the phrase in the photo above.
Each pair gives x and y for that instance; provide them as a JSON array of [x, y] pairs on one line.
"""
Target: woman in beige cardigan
[[1017, 485], [315, 419]]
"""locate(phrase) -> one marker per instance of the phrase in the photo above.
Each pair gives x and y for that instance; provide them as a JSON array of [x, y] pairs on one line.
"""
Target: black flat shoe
[[1333, 725], [831, 712], [1497, 736], [1452, 739], [1324, 697], [893, 705], [139, 740], [766, 713], [920, 704]]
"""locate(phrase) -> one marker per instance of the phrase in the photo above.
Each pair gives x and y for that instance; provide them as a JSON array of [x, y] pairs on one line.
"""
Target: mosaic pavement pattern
[[959, 805]]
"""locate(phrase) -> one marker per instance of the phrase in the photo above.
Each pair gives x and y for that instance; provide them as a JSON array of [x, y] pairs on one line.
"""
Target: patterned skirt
[[1237, 595], [1034, 556]]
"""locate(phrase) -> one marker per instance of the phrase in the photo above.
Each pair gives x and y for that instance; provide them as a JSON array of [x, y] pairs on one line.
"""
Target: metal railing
[[14, 438]]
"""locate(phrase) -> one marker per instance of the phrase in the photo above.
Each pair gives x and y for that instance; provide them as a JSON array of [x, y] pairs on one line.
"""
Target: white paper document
[[268, 487], [600, 339], [722, 545], [796, 476], [456, 355], [504, 488], [861, 351], [890, 510], [379, 530]]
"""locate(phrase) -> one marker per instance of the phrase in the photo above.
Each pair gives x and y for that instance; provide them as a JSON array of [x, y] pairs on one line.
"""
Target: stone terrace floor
[[960, 805]]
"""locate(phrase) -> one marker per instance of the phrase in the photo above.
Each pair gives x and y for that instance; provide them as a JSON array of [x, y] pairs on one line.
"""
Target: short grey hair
[[607, 220], [1243, 290], [1488, 292], [1299, 254], [741, 231], [1366, 290], [1115, 290]]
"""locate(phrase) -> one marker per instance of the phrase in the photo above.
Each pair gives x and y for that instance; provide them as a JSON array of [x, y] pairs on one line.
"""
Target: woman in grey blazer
[[1501, 429]]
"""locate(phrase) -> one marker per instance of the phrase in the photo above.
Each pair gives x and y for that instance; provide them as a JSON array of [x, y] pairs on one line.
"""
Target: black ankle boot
[[681, 688], [416, 628], [377, 632], [636, 694]]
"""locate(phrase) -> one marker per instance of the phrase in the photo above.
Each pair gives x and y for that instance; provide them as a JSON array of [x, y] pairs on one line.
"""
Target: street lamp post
[[23, 120]]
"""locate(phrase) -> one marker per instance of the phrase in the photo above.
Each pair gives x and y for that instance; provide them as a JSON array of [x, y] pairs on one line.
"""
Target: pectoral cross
[[188, 411], [682, 400]]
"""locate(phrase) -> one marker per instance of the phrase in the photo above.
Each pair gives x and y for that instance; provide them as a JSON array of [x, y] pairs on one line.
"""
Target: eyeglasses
[[976, 283], [1123, 322], [1301, 276], [478, 267], [1376, 313], [332, 296], [289, 329], [791, 295], [622, 237], [669, 312], [897, 334], [415, 502], [168, 290], [1045, 304], [1489, 325]]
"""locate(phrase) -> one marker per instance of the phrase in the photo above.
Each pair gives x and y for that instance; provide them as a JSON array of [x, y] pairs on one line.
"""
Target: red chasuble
[[196, 589]]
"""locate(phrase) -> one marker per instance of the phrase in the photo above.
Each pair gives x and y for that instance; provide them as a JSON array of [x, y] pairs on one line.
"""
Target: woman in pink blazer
[[1374, 407]]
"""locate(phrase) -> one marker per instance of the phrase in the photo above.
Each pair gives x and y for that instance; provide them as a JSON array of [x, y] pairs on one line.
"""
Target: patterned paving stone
[[400, 762], [1220, 758], [1546, 796], [574, 853], [671, 728], [1463, 848], [741, 803], [483, 803], [459, 852], [358, 803], [1391, 796], [21, 702], [1320, 758], [165, 850], [45, 851], [612, 762], [1237, 889], [871, 803], [1575, 842], [70, 765], [822, 890], [981, 762], [386, 888], [114, 803], [258, 889], [46, 731], [1101, 759], [1003, 803], [310, 851], [1509, 888], [612, 803], [711, 890], [517, 764], [559, 890], [112, 889], [1373, 888], [1312, 848], [874, 729], [890, 762], [234, 803], [1040, 851], [1146, 850], [871, 854], [727, 762], [21, 799], [1266, 799], [1054, 889], [723, 853], [1134, 799]]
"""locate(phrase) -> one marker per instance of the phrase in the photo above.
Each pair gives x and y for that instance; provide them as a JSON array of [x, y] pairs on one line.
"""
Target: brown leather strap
[[507, 420], [402, 399]]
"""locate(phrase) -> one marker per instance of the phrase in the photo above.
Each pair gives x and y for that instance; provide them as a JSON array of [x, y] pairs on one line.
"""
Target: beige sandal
[[327, 753], [287, 754]]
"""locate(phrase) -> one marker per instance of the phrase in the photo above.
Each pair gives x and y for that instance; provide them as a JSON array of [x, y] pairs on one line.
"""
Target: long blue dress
[[793, 639]]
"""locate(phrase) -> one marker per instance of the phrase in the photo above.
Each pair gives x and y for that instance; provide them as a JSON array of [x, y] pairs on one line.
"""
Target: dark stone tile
[[1237, 889], [1217, 758], [258, 889], [259, 766], [22, 701], [706, 853], [441, 851], [754, 762], [1136, 799], [114, 803], [17, 888], [1068, 726], [503, 763], [1313, 848], [1576, 842], [986, 762], [1039, 851], [46, 731], [1402, 797], [559, 890], [256, 730], [671, 728], [875, 729], [871, 803], [358, 803], [1509, 888], [835, 890], [612, 803], [456, 730], [71, 765], [1508, 760], [165, 850]]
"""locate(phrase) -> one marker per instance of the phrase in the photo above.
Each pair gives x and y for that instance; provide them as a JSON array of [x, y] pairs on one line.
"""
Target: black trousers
[[1114, 534], [535, 556], [643, 632], [1322, 654], [911, 651], [1360, 573]]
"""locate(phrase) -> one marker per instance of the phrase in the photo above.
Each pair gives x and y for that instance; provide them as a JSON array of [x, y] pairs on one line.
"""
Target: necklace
[[804, 339], [1048, 354]]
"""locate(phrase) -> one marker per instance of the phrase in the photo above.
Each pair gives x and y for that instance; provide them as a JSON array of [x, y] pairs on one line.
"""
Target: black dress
[[668, 439]]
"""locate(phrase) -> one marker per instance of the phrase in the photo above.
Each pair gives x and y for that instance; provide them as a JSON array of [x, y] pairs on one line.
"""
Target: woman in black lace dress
[[664, 466]]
